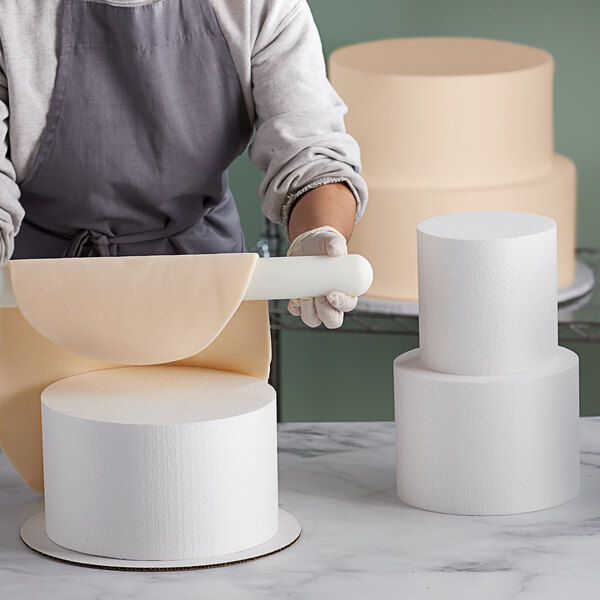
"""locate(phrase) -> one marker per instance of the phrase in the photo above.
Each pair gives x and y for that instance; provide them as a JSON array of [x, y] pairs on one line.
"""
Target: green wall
[[333, 376]]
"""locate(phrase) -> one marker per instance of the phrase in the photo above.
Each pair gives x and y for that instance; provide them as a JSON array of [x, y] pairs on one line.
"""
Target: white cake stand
[[582, 284], [33, 534]]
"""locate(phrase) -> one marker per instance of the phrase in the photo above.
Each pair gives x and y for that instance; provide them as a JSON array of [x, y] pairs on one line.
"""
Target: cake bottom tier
[[160, 462], [487, 445], [387, 233]]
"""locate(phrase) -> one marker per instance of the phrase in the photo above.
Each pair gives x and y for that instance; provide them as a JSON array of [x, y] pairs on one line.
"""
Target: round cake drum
[[33, 533]]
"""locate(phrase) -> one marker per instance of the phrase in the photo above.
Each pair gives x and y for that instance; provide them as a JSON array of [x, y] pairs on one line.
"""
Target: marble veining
[[312, 439], [359, 541]]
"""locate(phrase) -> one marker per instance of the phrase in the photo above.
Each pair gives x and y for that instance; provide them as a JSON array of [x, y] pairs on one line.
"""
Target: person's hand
[[328, 309]]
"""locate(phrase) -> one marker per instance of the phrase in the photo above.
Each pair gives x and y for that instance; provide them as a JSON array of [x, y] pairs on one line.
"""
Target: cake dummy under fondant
[[128, 301], [29, 362], [172, 459], [157, 435], [450, 125], [66, 316]]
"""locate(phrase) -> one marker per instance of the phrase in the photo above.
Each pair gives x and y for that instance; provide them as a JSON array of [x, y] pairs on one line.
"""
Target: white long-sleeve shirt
[[300, 140]]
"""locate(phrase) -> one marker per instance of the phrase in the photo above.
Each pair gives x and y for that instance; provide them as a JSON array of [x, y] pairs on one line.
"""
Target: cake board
[[582, 284], [33, 534]]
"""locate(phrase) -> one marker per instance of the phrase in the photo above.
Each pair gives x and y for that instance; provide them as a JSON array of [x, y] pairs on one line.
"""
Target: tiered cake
[[487, 408], [450, 125]]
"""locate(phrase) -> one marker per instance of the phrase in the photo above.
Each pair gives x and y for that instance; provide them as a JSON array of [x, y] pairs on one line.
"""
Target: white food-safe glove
[[329, 309]]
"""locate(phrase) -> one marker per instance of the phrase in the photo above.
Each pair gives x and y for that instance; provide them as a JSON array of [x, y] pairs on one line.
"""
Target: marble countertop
[[358, 541]]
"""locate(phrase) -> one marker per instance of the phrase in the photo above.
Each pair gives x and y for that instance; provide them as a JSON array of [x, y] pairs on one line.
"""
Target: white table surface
[[359, 540]]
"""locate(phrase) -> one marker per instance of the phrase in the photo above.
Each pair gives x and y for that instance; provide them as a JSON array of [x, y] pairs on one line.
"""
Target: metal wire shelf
[[578, 321]]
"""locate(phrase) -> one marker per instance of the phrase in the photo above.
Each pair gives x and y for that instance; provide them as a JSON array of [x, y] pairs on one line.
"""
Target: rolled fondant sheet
[[487, 445], [133, 310], [387, 234], [160, 462], [29, 362], [447, 112], [487, 292]]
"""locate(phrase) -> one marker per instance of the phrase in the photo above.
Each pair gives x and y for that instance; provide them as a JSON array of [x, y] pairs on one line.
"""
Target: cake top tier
[[487, 292], [442, 56], [486, 225], [157, 395], [447, 112]]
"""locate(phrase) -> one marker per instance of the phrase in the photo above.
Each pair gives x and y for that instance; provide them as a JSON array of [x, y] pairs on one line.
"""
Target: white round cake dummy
[[487, 445], [447, 112], [487, 292], [160, 463]]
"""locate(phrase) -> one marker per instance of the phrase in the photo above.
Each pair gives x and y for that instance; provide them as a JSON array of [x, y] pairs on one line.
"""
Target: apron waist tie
[[101, 241]]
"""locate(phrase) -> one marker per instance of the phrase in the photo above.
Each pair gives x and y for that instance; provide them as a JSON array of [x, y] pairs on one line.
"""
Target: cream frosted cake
[[450, 125]]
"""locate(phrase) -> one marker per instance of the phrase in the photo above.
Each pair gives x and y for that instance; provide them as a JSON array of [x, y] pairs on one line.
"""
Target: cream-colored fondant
[[386, 235], [133, 310], [29, 362], [447, 112]]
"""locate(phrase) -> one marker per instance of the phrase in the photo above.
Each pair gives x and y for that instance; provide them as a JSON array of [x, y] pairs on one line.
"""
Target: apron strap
[[95, 238], [91, 239], [100, 241]]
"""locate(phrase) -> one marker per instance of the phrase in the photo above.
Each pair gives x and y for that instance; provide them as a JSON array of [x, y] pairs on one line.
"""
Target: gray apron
[[146, 115]]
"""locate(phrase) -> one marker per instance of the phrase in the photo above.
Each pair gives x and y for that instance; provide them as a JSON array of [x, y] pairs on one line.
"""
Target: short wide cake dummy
[[83, 314], [160, 463]]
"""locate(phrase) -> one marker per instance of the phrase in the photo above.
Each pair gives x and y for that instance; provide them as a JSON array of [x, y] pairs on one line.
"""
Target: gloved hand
[[328, 309]]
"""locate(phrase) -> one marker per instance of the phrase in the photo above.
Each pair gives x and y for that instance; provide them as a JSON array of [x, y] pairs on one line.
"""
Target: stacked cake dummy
[[487, 408], [158, 425], [450, 125]]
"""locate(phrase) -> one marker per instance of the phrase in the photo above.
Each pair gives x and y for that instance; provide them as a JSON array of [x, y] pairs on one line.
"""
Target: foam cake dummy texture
[[160, 462], [488, 445], [487, 284], [487, 409]]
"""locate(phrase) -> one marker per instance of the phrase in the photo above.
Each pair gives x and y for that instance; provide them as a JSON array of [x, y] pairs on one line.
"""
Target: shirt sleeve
[[11, 211], [300, 140]]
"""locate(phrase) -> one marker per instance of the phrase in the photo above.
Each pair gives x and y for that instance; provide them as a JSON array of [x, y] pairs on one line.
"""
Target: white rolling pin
[[308, 276], [279, 278]]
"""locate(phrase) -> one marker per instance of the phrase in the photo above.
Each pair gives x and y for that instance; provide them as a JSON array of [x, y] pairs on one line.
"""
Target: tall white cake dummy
[[487, 408]]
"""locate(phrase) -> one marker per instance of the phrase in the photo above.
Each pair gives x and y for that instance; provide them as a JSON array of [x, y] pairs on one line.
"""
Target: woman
[[119, 119]]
